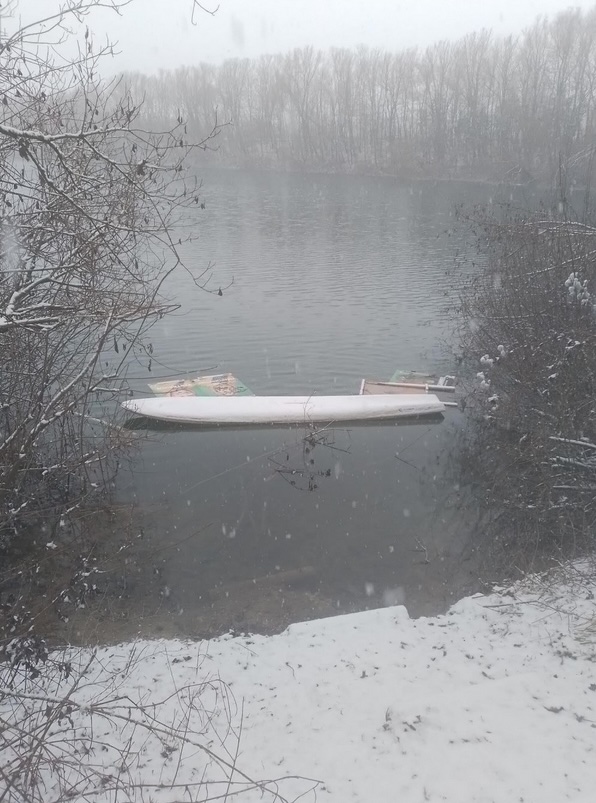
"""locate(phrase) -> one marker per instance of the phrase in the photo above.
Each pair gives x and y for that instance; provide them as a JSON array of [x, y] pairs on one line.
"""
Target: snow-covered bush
[[530, 339]]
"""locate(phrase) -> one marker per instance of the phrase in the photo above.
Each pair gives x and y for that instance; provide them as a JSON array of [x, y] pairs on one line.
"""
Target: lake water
[[329, 279]]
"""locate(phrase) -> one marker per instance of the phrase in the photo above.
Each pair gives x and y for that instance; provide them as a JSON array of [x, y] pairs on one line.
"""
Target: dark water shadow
[[142, 423]]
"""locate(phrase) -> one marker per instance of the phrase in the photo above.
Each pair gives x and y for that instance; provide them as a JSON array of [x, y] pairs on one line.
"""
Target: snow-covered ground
[[494, 701]]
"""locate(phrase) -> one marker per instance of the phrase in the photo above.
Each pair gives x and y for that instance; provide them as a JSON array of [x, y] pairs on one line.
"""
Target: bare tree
[[89, 202], [483, 107]]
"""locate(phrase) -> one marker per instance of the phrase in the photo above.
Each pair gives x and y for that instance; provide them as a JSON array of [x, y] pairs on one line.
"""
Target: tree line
[[512, 108]]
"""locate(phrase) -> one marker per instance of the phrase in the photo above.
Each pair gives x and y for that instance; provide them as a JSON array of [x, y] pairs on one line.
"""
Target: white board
[[284, 409]]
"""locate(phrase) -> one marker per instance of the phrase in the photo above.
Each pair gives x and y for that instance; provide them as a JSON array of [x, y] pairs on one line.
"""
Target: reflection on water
[[355, 504], [333, 279]]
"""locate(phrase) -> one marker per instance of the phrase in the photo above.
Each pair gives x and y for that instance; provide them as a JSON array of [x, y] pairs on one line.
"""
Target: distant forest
[[518, 108]]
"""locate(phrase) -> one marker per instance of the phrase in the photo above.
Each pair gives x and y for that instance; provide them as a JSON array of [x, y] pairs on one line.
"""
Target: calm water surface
[[330, 279]]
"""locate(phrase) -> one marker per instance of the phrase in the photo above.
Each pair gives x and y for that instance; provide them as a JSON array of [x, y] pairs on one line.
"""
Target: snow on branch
[[89, 201]]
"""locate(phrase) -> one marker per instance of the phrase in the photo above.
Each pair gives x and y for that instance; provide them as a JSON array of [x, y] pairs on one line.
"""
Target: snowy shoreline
[[493, 701]]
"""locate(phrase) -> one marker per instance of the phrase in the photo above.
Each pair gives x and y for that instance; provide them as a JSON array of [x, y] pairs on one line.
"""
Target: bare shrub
[[89, 201], [528, 331], [79, 729]]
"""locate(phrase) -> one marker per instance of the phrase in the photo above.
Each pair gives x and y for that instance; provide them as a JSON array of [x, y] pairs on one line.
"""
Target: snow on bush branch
[[578, 292], [528, 320]]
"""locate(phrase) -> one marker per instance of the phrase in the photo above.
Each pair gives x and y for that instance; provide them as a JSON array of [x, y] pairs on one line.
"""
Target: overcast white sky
[[155, 34]]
